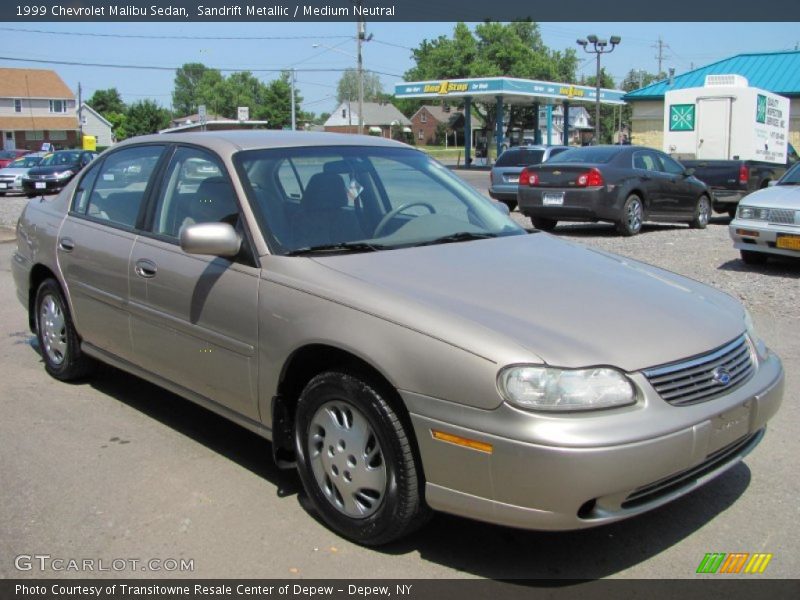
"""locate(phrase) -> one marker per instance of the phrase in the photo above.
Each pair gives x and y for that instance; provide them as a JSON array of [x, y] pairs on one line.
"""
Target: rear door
[[95, 243], [194, 319]]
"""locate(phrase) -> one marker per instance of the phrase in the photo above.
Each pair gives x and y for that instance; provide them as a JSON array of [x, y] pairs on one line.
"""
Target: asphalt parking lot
[[115, 468]]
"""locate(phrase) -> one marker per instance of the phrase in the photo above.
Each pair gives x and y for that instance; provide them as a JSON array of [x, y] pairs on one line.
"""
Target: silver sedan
[[403, 344]]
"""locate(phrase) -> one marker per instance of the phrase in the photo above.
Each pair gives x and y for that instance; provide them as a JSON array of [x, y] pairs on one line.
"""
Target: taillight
[[590, 178], [528, 178], [744, 174]]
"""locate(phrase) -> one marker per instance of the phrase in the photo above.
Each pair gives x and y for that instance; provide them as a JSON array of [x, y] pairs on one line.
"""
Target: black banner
[[721, 587], [394, 10]]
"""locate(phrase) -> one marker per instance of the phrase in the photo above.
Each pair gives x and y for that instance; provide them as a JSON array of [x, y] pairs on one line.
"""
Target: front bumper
[[760, 236], [10, 186], [51, 186], [561, 472]]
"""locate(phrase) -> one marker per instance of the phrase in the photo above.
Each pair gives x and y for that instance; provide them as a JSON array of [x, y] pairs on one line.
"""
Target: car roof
[[229, 141]]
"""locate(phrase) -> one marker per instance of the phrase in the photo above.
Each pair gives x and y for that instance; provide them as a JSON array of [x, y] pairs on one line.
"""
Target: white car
[[768, 221], [11, 176]]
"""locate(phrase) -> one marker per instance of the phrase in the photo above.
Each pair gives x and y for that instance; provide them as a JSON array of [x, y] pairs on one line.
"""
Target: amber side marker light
[[460, 441], [747, 232]]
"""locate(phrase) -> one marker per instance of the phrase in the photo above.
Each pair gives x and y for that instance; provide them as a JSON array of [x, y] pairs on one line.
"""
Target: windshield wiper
[[461, 236], [340, 247]]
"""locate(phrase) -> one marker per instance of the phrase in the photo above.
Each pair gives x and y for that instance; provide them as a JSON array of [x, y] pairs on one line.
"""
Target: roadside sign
[[244, 113], [201, 112]]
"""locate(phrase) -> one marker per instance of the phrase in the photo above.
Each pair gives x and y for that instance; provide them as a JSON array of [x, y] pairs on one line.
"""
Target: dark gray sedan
[[625, 185], [504, 177]]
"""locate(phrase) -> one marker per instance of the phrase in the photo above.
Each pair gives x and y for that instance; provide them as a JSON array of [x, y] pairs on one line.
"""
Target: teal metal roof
[[777, 72]]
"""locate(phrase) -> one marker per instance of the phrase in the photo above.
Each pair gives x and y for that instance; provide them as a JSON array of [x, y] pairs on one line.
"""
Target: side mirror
[[502, 207], [215, 239], [688, 172]]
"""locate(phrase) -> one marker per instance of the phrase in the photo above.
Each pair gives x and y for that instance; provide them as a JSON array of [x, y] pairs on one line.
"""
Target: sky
[[290, 45]]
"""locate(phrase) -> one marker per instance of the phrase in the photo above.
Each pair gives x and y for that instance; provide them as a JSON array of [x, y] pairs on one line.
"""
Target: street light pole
[[599, 47], [360, 38]]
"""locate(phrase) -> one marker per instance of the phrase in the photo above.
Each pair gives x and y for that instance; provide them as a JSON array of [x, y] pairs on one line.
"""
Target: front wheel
[[632, 216], [58, 340], [702, 213], [356, 460]]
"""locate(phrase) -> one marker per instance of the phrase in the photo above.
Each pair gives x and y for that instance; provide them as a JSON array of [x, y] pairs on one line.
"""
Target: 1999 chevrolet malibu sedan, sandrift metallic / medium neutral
[[346, 298]]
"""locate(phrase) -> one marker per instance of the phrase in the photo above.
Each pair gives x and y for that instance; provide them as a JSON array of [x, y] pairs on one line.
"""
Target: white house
[[378, 118], [93, 123], [578, 123]]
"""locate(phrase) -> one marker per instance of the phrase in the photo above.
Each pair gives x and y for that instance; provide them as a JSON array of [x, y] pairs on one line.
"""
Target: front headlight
[[756, 342], [64, 174], [752, 212], [546, 388]]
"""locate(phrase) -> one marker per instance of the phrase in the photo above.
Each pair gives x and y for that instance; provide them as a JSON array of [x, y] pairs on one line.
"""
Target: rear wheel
[[356, 461], [702, 213], [58, 340], [753, 258], [544, 224], [632, 216], [511, 204]]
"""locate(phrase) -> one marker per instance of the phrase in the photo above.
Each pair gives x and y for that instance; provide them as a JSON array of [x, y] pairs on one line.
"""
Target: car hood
[[50, 170], [568, 305], [777, 196], [14, 171]]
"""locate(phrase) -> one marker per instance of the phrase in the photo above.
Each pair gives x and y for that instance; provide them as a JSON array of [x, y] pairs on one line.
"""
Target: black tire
[[59, 345], [511, 204], [544, 224], [28, 195], [395, 507], [632, 216], [702, 213], [753, 258]]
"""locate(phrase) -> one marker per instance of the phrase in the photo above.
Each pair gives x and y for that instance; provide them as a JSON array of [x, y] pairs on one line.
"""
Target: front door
[[194, 319], [8, 141]]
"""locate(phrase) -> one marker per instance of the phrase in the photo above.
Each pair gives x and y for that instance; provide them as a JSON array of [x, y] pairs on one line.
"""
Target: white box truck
[[735, 137]]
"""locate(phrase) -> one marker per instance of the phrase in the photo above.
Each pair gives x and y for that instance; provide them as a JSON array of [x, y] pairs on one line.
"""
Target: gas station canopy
[[506, 91]]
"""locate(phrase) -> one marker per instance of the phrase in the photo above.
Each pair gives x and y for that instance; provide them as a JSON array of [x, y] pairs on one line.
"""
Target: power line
[[161, 68], [178, 37]]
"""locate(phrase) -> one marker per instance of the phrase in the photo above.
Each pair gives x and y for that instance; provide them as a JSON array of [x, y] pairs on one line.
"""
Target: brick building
[[426, 121]]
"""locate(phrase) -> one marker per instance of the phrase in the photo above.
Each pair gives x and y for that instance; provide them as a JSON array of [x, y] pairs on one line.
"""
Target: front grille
[[703, 378], [783, 216], [713, 461]]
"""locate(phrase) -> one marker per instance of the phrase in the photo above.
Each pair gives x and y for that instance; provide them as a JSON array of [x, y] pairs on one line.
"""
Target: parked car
[[6, 156], [625, 185], [731, 180], [504, 176], [55, 171], [339, 295], [11, 175], [768, 221]]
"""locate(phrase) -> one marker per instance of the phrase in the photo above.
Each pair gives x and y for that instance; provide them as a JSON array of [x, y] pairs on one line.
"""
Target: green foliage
[[493, 49], [119, 124], [441, 133], [107, 101], [347, 88], [145, 117], [184, 96]]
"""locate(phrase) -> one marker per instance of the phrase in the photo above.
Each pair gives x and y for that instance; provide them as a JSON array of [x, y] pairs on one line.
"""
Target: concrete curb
[[7, 235]]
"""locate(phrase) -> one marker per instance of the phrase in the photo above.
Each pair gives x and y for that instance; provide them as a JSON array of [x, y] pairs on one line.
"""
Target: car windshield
[[588, 154], [26, 162], [519, 158], [352, 198], [60, 158], [8, 154], [791, 177]]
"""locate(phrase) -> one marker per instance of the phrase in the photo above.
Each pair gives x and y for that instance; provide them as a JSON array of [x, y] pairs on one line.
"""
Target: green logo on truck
[[681, 117], [761, 109]]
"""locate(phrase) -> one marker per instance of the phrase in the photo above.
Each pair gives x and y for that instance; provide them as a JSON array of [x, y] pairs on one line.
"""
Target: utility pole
[[660, 45], [361, 30], [294, 119], [80, 115]]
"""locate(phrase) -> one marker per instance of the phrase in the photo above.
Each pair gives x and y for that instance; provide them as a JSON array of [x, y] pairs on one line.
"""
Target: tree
[[107, 101], [347, 88], [493, 49], [145, 117], [119, 125], [276, 105], [184, 96]]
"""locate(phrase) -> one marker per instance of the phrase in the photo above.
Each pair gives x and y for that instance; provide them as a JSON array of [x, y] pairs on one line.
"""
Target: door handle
[[145, 268], [66, 244]]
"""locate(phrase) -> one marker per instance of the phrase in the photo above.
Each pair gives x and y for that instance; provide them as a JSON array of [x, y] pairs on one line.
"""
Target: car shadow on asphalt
[[481, 549], [776, 266], [608, 230]]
